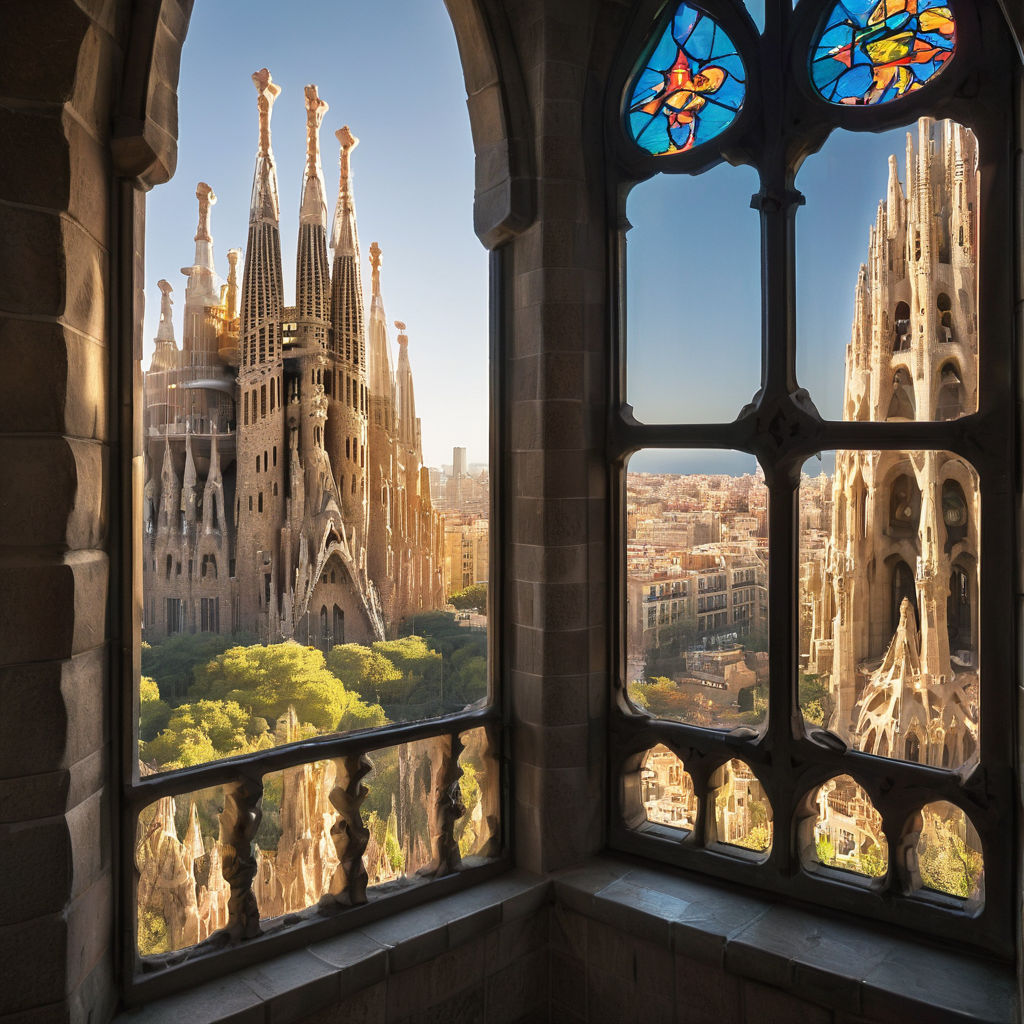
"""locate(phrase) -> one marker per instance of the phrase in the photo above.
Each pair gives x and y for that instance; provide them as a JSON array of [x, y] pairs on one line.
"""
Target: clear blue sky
[[694, 335], [390, 70]]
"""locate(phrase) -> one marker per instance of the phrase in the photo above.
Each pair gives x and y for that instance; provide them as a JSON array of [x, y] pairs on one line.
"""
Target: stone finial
[[348, 143], [400, 326], [206, 198], [165, 328], [375, 268], [315, 110], [268, 92], [234, 255]]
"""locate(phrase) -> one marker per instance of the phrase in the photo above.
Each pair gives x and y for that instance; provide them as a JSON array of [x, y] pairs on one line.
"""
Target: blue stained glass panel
[[689, 88], [877, 51]]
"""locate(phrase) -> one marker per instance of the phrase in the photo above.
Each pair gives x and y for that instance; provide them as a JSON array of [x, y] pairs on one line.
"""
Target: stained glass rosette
[[874, 52], [689, 89]]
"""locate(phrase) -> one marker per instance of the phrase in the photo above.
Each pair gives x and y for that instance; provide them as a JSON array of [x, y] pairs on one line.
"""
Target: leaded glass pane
[[881, 50], [690, 86]]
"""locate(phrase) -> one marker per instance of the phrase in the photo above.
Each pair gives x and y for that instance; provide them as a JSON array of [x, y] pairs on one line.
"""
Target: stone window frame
[[782, 428], [144, 147]]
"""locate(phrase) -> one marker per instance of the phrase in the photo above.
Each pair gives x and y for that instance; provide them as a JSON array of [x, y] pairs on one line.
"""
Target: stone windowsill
[[859, 970]]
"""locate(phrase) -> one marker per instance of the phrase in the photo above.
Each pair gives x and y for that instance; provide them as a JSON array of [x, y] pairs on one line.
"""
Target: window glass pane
[[949, 856], [398, 808], [296, 857], [848, 831], [182, 894], [698, 308], [478, 830], [889, 603], [887, 278], [697, 577], [743, 813], [667, 790], [315, 479]]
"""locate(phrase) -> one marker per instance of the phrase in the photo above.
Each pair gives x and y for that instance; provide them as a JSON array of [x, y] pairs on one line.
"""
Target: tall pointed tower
[[896, 621], [347, 405], [307, 410], [261, 465], [380, 445]]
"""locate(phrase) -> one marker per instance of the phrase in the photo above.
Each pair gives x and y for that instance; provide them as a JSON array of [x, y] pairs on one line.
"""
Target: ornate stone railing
[[200, 895]]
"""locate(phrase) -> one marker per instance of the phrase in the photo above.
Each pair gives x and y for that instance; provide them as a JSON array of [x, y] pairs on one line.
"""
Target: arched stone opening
[[902, 405], [902, 586], [955, 513], [945, 309], [912, 748], [952, 397], [904, 506], [901, 328], [959, 611]]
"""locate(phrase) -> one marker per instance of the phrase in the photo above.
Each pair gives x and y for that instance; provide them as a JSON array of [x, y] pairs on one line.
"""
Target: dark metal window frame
[[782, 122], [155, 977]]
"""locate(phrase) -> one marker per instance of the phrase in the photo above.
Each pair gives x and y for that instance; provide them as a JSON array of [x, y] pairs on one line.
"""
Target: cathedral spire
[[894, 199], [379, 355], [314, 208], [201, 289], [265, 205], [312, 271], [188, 485], [165, 330], [344, 238], [165, 355], [203, 238], [262, 288], [407, 428]]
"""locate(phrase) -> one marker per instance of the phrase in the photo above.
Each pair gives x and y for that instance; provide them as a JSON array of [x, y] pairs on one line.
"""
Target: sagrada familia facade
[[894, 599], [285, 492]]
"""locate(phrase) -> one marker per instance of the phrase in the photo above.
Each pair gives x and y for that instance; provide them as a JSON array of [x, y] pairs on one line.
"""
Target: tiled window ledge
[[492, 920], [854, 972]]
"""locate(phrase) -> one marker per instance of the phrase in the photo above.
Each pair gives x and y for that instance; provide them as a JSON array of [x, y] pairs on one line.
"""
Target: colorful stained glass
[[873, 52], [690, 87]]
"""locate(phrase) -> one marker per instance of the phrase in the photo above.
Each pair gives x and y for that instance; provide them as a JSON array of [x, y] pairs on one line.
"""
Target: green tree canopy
[[172, 662], [154, 713], [473, 596], [202, 732], [364, 670], [268, 680]]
